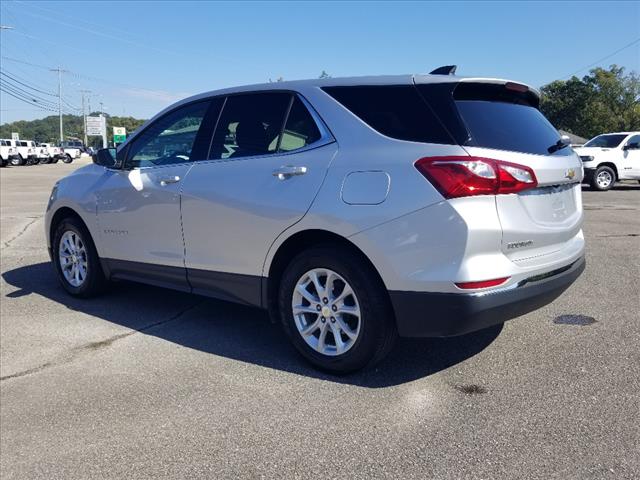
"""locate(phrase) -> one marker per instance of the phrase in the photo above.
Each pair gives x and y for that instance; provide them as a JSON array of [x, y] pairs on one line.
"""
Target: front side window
[[170, 139], [606, 141], [300, 130], [250, 125]]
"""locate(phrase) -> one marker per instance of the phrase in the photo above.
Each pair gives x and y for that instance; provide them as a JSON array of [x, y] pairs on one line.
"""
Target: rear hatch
[[500, 120]]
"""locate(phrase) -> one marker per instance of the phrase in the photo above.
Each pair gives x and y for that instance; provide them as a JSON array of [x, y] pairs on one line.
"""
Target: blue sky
[[138, 57]]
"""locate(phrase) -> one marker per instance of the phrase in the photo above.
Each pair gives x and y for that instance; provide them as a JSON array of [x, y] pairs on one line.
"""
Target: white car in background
[[7, 152], [610, 157], [55, 153], [27, 154]]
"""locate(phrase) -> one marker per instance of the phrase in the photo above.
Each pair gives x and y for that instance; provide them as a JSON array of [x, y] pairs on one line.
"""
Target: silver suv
[[354, 210]]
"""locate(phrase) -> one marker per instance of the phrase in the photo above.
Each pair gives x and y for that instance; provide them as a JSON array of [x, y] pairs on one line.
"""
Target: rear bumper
[[422, 314]]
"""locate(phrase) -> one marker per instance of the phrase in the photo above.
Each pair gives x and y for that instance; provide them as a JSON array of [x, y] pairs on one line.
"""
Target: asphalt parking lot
[[149, 383]]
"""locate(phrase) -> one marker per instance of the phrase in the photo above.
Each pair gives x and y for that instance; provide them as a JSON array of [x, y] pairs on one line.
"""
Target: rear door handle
[[288, 171], [166, 181]]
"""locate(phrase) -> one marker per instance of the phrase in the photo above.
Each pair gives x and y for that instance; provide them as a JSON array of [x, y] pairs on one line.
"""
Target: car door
[[268, 158], [138, 206], [631, 158]]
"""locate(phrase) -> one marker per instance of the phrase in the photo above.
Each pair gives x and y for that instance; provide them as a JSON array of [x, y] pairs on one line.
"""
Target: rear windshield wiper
[[559, 145]]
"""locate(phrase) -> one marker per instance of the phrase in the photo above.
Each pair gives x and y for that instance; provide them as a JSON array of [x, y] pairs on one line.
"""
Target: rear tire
[[76, 260], [17, 161], [363, 338], [603, 178]]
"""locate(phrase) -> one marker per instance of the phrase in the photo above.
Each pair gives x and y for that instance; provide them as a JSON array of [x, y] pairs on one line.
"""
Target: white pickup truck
[[7, 152], [72, 149], [55, 153], [610, 157], [27, 154]]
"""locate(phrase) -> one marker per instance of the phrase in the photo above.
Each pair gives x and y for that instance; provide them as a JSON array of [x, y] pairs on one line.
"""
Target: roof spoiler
[[445, 70]]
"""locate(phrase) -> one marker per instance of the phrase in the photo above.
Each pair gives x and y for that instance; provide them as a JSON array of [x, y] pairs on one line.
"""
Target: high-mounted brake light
[[469, 176], [516, 87], [483, 284]]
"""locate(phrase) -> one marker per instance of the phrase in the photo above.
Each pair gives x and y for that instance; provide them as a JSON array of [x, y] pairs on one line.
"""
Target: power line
[[23, 100], [26, 93], [26, 85], [604, 58]]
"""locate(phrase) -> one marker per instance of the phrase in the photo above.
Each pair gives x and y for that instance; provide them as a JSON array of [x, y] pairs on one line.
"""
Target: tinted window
[[634, 139], [606, 141], [397, 111], [250, 125], [301, 130], [508, 126], [169, 140]]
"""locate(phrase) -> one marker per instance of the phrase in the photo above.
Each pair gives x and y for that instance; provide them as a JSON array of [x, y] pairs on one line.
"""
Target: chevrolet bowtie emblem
[[570, 173]]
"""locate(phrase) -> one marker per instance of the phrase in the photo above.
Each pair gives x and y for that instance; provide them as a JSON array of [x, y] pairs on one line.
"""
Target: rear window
[[498, 118], [606, 141], [397, 111]]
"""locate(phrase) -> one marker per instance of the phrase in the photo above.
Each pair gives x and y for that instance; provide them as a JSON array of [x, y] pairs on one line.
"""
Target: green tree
[[605, 100], [47, 129]]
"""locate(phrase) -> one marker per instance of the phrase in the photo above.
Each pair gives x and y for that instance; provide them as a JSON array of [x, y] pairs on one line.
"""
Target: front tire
[[335, 310], [67, 159], [603, 178], [17, 161], [76, 260]]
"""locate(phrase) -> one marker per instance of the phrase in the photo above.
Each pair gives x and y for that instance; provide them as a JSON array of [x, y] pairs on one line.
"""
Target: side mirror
[[106, 157], [565, 139], [632, 146]]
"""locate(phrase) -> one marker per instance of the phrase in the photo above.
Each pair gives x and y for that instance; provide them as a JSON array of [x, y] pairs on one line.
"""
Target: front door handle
[[288, 171], [166, 181]]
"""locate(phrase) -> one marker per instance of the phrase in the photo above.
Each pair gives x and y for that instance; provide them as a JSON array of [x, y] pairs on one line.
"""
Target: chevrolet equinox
[[353, 209]]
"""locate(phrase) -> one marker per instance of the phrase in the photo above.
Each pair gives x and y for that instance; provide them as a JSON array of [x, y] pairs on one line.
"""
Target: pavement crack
[[619, 235], [81, 350], [22, 232]]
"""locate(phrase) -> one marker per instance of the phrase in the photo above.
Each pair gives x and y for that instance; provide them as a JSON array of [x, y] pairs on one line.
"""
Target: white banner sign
[[96, 125], [15, 136]]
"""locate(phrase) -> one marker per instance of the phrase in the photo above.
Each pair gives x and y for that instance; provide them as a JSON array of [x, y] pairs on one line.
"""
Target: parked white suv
[[611, 157], [352, 209]]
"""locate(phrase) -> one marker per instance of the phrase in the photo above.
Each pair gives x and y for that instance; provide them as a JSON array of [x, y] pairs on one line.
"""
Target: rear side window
[[498, 118], [301, 130], [397, 111], [250, 124]]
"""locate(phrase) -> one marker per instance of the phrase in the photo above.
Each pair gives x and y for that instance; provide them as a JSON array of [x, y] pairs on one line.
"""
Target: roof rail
[[445, 70]]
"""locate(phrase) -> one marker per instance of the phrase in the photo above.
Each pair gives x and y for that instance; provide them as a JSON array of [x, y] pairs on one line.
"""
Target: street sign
[[119, 134], [96, 126], [15, 136]]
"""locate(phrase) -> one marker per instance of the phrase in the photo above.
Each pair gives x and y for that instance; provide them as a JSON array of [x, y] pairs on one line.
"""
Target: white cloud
[[154, 95]]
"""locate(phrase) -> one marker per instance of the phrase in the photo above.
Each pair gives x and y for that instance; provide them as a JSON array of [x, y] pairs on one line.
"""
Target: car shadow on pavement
[[239, 332]]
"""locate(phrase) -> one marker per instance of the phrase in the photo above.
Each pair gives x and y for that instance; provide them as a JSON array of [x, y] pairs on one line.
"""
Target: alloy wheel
[[604, 179], [72, 254], [326, 312]]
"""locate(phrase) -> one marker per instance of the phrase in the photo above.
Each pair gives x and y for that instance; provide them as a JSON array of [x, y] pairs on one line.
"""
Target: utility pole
[[60, 72], [84, 115]]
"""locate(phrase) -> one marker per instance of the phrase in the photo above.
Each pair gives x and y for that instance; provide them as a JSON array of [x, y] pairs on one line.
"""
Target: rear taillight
[[482, 284], [467, 176]]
